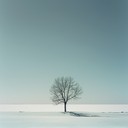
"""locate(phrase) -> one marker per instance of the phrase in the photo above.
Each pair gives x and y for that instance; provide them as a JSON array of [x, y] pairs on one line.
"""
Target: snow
[[62, 120], [59, 108], [29, 116]]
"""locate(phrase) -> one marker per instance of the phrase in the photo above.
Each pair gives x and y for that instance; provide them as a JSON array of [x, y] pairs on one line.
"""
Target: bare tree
[[65, 89]]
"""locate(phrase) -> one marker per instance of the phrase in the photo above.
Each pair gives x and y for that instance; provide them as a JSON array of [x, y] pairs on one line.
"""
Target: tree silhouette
[[65, 89]]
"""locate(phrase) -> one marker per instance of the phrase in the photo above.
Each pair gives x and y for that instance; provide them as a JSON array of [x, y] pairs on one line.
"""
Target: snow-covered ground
[[22, 118], [61, 120], [59, 108]]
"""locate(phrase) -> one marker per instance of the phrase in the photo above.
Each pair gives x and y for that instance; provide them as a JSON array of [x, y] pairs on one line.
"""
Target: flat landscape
[[57, 119], [61, 120]]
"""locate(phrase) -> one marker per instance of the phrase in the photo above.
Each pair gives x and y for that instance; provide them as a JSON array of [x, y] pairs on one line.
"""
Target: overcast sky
[[41, 40]]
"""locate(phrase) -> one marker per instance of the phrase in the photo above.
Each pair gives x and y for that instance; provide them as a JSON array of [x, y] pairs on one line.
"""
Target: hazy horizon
[[45, 39], [59, 108]]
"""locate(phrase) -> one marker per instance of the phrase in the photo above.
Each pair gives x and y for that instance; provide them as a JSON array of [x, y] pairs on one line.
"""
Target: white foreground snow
[[51, 116], [61, 120]]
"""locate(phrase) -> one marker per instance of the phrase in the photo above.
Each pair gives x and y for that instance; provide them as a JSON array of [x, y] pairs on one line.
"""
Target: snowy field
[[21, 116]]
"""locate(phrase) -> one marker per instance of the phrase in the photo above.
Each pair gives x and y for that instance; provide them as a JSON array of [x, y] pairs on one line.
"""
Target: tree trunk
[[65, 106]]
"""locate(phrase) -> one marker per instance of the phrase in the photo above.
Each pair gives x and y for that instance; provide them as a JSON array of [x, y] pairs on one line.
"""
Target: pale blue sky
[[41, 40]]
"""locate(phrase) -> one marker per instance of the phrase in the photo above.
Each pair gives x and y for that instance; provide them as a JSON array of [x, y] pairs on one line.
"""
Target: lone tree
[[65, 89]]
